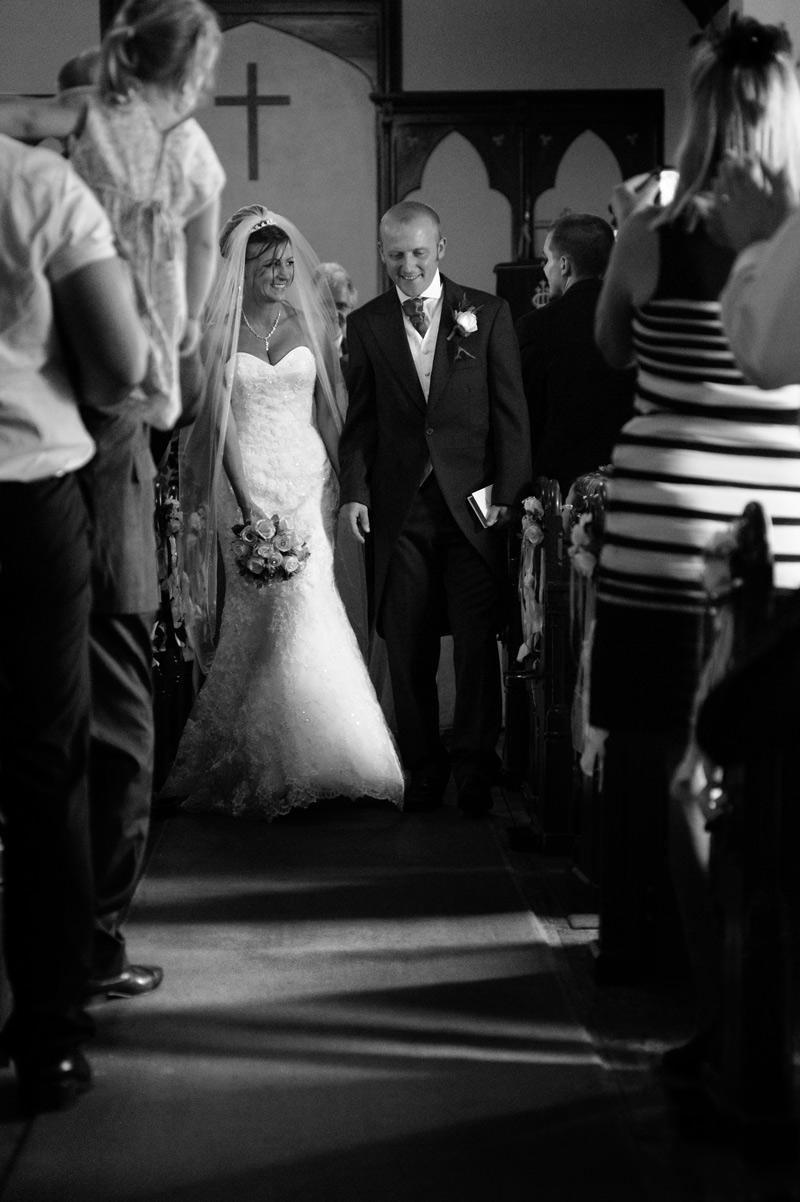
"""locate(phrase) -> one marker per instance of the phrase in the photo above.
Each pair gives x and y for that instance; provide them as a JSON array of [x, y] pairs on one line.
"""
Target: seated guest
[[345, 298], [60, 277], [577, 403]]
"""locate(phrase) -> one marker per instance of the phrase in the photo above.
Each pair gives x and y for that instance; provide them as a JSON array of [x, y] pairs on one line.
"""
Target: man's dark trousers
[[44, 727], [437, 581]]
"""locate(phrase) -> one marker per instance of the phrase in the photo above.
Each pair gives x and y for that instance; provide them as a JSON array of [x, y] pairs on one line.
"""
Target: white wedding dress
[[287, 714]]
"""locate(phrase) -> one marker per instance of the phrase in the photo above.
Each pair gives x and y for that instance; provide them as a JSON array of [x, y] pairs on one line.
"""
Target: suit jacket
[[576, 402], [118, 484], [473, 429]]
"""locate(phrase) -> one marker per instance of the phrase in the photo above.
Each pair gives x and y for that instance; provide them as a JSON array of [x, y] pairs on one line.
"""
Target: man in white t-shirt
[[67, 314]]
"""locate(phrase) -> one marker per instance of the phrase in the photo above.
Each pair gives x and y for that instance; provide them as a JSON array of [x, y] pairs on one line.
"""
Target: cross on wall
[[252, 102]]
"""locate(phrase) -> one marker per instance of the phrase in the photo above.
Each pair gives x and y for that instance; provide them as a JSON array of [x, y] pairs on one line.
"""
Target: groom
[[436, 411]]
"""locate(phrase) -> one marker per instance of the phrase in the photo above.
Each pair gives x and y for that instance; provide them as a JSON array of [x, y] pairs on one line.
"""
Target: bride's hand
[[252, 514]]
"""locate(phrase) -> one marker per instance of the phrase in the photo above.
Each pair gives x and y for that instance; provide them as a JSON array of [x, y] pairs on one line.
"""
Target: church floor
[[360, 1006]]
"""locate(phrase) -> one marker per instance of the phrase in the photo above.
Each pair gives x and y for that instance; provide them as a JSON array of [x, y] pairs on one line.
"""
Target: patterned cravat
[[414, 309]]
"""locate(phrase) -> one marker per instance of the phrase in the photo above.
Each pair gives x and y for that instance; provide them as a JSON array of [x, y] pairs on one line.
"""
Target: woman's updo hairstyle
[[264, 237], [744, 100], [154, 42]]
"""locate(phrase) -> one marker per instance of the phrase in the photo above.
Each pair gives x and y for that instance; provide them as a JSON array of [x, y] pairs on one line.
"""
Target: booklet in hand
[[479, 502]]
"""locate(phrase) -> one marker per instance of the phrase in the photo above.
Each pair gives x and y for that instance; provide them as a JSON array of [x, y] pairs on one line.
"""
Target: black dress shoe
[[133, 981], [422, 795], [51, 1084], [475, 796], [687, 1063]]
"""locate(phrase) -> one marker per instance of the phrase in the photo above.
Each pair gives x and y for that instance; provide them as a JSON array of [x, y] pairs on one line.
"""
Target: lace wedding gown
[[288, 714]]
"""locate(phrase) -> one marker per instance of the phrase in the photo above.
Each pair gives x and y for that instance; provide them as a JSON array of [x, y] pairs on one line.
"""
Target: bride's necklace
[[261, 337]]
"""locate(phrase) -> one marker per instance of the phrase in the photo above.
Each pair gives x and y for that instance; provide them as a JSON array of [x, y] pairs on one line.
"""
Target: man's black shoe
[[687, 1063], [51, 1084], [421, 796], [133, 981], [475, 796]]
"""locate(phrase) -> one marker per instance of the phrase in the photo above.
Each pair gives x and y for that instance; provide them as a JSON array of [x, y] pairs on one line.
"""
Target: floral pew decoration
[[531, 576], [170, 630], [583, 525]]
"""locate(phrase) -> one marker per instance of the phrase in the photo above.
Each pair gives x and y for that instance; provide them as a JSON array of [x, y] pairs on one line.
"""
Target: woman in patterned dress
[[702, 443], [135, 143]]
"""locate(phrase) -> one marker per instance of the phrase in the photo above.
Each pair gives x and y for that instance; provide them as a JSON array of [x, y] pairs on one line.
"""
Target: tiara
[[260, 224]]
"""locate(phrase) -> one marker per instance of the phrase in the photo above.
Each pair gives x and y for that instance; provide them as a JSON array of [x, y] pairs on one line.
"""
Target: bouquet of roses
[[268, 550]]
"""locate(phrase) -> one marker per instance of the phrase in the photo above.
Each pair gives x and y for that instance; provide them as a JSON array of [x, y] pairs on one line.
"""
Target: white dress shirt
[[52, 226], [761, 308], [422, 349]]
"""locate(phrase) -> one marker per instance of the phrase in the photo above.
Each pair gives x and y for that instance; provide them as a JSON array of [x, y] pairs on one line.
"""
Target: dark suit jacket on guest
[[473, 429], [119, 484], [576, 402]]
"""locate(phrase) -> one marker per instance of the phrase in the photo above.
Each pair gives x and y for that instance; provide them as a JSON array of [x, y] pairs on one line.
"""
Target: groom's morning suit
[[413, 461]]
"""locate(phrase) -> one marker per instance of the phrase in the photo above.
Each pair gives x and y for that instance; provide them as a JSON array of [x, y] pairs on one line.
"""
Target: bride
[[287, 714]]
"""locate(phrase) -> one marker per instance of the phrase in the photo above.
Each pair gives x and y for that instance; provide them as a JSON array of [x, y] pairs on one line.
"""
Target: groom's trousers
[[437, 582]]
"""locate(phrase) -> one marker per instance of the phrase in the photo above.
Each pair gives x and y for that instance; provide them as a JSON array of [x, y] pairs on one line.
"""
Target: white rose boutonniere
[[465, 323]]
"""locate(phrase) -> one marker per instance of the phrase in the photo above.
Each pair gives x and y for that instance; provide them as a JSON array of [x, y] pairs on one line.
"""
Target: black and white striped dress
[[703, 442]]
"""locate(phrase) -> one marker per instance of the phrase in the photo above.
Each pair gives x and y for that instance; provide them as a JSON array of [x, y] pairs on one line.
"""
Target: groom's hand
[[495, 514], [356, 518]]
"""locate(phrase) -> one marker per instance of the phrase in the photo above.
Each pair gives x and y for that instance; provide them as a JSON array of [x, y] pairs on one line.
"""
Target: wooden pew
[[755, 829], [545, 676], [583, 523], [621, 850]]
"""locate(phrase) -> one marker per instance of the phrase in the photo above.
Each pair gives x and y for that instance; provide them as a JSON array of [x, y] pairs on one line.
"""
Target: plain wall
[[520, 44]]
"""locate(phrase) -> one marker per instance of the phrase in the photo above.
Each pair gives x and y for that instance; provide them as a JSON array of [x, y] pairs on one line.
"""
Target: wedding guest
[[77, 80], [345, 298], [157, 61], [577, 404], [152, 167], [159, 180], [436, 412], [67, 317], [703, 442]]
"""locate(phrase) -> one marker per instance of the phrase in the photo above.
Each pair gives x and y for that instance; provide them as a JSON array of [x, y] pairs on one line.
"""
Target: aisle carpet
[[356, 1006]]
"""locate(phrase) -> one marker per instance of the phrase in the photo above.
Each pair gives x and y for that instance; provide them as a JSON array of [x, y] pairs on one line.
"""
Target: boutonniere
[[465, 323]]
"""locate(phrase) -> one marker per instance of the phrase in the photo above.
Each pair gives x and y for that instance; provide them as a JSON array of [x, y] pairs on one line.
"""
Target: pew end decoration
[[545, 665], [268, 550], [531, 575], [583, 524], [746, 724], [176, 611]]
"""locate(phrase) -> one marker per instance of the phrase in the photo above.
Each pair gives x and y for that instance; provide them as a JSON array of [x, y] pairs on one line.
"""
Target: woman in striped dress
[[702, 443]]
